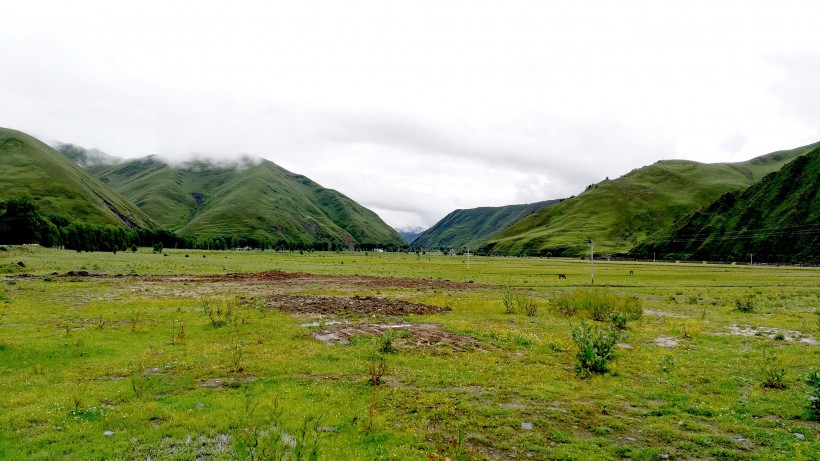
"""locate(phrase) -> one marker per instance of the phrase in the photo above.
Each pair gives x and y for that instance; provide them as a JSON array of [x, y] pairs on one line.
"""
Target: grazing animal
[[562, 276], [631, 272]]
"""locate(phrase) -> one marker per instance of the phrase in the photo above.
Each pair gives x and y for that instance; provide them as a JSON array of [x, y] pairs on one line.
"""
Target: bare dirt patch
[[666, 341], [405, 335], [356, 305], [302, 277], [772, 333], [335, 325]]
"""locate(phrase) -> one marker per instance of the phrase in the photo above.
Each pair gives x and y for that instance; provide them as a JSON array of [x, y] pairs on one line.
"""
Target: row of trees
[[22, 222]]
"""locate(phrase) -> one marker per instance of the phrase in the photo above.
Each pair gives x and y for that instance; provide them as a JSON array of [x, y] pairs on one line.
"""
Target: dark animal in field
[[21, 264], [631, 272], [562, 276]]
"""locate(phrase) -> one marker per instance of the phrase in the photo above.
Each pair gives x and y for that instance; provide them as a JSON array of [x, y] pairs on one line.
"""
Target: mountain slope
[[775, 220], [471, 228], [253, 198], [61, 189], [619, 214]]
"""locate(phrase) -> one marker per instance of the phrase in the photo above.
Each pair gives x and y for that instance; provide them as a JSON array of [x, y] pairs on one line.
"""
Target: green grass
[[619, 214], [83, 355]]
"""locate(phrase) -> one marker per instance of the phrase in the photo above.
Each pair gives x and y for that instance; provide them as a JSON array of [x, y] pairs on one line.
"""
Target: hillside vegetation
[[471, 228], [61, 190], [775, 220], [620, 214], [252, 199]]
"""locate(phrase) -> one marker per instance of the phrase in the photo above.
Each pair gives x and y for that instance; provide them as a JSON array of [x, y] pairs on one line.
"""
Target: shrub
[[386, 342], [773, 375], [813, 380], [508, 298], [600, 305], [376, 369], [565, 303], [219, 313], [526, 304], [594, 348], [745, 305]]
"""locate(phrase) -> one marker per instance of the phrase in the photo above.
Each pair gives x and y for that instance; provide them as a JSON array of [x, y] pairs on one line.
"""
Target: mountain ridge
[[204, 200], [621, 213], [471, 228], [777, 219]]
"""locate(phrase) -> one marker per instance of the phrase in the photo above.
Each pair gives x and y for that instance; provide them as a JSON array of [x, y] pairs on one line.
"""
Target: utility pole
[[750, 259], [592, 259], [468, 257]]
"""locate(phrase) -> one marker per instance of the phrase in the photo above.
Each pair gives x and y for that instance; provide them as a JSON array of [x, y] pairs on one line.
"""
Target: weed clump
[[813, 380], [386, 342], [594, 348], [376, 369], [773, 375], [270, 440], [600, 305], [518, 302], [745, 305]]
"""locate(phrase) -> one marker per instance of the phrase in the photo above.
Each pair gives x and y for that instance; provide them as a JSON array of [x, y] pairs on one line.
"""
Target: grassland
[[131, 355]]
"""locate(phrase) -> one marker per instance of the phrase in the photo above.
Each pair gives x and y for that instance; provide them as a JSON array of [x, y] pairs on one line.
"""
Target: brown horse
[[562, 276]]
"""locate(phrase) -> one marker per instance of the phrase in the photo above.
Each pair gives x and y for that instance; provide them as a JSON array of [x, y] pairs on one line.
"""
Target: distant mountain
[[471, 228], [410, 234], [61, 190], [620, 214], [252, 199], [89, 159], [775, 220]]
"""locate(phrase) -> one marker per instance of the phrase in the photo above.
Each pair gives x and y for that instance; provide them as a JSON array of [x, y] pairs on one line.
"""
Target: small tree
[[158, 247]]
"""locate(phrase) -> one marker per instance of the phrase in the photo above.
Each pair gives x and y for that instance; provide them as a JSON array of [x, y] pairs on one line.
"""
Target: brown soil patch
[[406, 335], [357, 305], [301, 277]]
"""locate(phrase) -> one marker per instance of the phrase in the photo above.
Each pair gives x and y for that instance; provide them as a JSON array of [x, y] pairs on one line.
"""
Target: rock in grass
[[108, 433]]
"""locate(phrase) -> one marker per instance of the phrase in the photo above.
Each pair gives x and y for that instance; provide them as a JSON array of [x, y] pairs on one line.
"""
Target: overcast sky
[[418, 108]]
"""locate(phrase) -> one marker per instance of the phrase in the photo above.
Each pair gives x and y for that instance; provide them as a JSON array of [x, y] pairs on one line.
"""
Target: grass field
[[138, 355]]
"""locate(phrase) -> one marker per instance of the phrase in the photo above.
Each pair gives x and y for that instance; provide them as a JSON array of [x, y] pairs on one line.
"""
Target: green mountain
[[61, 190], [472, 228], [775, 220], [252, 199], [619, 214]]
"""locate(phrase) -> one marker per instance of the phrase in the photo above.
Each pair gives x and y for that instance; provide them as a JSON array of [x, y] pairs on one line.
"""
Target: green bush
[[594, 348], [813, 380], [600, 305], [745, 305], [772, 374], [508, 298]]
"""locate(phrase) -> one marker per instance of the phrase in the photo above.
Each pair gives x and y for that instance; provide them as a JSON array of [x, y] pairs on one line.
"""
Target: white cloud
[[417, 108]]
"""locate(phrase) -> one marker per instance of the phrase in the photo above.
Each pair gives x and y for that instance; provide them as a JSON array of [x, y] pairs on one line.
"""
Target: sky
[[417, 108]]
